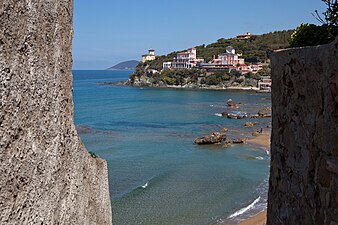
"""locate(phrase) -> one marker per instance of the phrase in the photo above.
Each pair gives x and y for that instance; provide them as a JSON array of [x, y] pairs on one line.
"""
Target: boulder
[[250, 124], [256, 133], [225, 129], [238, 141], [263, 114], [233, 115], [231, 103], [214, 138]]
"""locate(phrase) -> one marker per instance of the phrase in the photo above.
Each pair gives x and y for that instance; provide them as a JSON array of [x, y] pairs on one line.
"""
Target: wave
[[259, 158], [144, 186], [243, 210], [218, 114]]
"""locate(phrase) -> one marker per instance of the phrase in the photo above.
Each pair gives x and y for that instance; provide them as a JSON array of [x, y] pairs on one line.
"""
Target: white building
[[150, 56], [264, 84], [167, 65], [186, 60]]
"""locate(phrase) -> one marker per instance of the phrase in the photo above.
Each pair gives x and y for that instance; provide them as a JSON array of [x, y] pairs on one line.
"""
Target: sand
[[263, 140], [259, 219]]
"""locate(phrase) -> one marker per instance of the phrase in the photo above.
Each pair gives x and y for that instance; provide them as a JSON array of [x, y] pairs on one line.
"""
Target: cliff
[[304, 162], [47, 175]]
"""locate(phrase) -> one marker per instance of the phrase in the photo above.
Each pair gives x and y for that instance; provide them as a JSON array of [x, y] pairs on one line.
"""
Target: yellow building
[[149, 57]]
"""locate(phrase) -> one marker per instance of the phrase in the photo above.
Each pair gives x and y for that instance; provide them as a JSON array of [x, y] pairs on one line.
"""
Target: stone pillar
[[304, 151], [47, 175]]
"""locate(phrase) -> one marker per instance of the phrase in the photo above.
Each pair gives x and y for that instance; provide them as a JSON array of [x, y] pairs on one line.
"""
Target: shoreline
[[211, 87], [264, 141], [259, 219]]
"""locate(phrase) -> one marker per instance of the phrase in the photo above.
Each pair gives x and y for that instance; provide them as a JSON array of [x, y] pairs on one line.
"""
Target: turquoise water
[[157, 175]]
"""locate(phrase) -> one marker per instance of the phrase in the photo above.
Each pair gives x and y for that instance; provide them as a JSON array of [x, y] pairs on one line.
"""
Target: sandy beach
[[263, 140], [259, 219]]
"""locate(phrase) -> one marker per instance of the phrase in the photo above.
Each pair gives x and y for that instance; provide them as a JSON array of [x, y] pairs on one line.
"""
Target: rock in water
[[250, 124], [231, 103], [238, 141], [214, 138]]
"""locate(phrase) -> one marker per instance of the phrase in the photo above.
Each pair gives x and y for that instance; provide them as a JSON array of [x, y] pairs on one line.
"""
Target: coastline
[[210, 87], [259, 219], [264, 141]]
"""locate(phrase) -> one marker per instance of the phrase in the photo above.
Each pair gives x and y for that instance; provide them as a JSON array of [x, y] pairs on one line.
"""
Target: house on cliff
[[184, 60], [150, 56]]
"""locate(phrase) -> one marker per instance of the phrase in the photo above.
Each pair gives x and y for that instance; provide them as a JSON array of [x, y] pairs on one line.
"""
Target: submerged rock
[[214, 138]]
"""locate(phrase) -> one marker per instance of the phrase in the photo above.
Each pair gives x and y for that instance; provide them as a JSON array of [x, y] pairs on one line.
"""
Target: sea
[[157, 175]]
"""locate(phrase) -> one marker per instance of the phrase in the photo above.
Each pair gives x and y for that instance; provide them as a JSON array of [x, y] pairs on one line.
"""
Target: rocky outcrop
[[238, 141], [214, 138], [231, 103], [47, 176], [303, 179], [250, 124]]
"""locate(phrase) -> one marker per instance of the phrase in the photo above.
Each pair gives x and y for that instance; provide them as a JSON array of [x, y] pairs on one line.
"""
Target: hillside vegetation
[[254, 49]]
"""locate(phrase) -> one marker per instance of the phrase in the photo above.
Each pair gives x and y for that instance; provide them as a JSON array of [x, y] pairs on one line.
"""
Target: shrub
[[310, 35]]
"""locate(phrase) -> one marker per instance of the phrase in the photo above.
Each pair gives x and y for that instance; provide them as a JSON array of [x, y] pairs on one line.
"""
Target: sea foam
[[243, 210]]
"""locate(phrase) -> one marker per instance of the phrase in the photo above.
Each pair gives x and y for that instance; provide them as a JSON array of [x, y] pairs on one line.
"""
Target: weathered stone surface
[[304, 136], [214, 138], [47, 176]]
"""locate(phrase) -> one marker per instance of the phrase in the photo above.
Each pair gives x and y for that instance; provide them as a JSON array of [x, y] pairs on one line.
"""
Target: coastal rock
[[214, 138], [225, 129], [256, 133], [263, 114], [47, 175], [250, 124], [231, 103], [238, 141], [233, 115]]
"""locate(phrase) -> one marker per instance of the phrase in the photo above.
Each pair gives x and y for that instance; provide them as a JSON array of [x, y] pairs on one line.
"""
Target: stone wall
[[47, 175], [304, 150]]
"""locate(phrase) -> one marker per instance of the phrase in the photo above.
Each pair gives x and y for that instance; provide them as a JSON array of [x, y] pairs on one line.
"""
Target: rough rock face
[[214, 138], [303, 179], [47, 176]]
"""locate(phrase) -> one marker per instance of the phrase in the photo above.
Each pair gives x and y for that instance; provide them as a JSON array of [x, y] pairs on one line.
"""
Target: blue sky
[[110, 31]]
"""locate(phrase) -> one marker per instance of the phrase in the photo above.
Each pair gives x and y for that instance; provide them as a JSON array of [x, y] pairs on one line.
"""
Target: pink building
[[229, 58]]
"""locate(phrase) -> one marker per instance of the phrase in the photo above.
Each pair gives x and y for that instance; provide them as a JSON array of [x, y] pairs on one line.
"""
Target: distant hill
[[127, 65]]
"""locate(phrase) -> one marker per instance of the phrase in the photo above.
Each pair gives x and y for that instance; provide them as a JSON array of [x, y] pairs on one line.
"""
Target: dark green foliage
[[265, 71], [310, 35], [330, 17], [255, 76], [253, 49], [216, 78], [180, 77]]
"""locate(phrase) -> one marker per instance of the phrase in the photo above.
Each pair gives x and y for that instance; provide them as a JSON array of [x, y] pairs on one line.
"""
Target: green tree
[[330, 16]]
